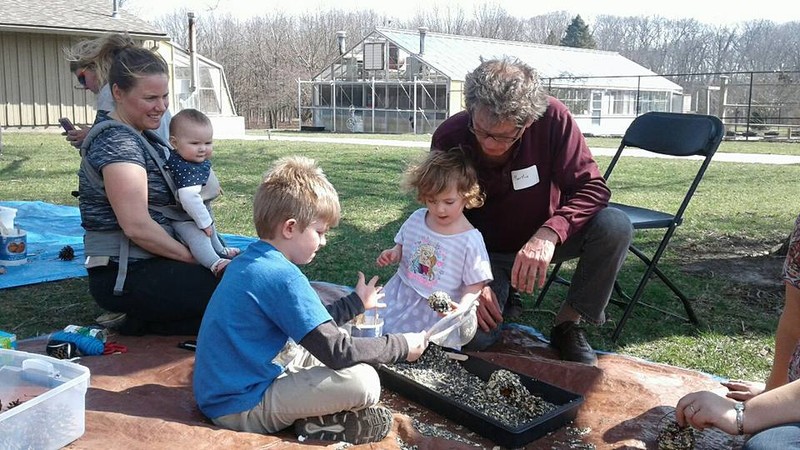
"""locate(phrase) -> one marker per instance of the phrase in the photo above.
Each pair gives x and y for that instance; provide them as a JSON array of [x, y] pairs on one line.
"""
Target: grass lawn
[[728, 146], [719, 256]]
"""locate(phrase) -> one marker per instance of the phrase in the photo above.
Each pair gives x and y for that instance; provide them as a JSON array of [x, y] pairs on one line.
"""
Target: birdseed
[[450, 379]]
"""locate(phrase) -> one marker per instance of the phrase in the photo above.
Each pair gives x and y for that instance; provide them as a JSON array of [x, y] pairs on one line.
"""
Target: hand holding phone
[[66, 124]]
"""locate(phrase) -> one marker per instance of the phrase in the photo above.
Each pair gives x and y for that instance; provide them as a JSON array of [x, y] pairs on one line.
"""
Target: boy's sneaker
[[370, 424]]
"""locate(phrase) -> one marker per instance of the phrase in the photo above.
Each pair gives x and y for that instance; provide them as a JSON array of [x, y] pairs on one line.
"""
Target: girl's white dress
[[431, 262]]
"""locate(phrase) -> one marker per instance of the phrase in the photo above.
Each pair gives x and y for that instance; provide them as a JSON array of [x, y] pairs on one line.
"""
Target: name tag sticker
[[525, 178]]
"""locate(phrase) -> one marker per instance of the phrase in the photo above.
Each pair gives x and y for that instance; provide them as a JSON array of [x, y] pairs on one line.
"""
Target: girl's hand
[[369, 293], [387, 257]]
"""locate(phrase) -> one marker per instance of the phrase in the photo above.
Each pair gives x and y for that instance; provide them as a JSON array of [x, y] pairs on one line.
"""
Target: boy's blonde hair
[[294, 188], [440, 170]]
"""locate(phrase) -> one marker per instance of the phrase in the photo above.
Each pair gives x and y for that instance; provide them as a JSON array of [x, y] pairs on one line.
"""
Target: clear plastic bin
[[52, 392]]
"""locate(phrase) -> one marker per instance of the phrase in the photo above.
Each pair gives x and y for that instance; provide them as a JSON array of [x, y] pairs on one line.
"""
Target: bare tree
[[263, 57]]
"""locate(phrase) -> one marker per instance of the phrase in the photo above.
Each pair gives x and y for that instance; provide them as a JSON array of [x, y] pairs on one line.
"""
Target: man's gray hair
[[507, 89]]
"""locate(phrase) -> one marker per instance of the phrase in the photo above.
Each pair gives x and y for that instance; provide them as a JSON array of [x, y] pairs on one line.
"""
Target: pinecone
[[66, 253], [439, 301]]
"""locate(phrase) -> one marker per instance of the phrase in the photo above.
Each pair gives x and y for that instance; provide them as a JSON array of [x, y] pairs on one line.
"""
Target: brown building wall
[[36, 86]]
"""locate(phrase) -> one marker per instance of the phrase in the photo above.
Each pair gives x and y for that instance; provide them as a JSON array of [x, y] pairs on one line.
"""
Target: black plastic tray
[[567, 405]]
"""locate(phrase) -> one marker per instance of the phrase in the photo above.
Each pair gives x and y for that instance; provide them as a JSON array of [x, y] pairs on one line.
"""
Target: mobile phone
[[66, 124]]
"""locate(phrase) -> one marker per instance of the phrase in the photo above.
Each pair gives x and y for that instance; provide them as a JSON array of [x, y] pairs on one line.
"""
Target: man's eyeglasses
[[499, 139], [80, 74]]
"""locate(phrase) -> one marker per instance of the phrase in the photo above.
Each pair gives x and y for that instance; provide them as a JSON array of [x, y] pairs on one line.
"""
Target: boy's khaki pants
[[307, 389]]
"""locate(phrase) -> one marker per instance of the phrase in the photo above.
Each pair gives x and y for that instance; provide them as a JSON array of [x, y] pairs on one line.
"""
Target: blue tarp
[[49, 228]]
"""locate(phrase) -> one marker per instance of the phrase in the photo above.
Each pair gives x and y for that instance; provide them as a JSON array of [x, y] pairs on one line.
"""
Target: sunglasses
[[80, 74]]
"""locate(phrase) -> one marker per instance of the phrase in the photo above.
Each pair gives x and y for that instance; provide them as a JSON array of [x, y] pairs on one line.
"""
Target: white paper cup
[[14, 248]]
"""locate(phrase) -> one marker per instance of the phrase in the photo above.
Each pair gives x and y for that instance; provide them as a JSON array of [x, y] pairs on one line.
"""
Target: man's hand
[[489, 314], [208, 231], [532, 260]]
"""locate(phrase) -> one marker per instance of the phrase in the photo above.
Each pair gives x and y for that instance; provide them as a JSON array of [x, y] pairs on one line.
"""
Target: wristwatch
[[739, 407]]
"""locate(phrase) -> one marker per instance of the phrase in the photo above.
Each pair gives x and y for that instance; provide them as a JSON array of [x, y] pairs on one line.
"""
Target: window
[[394, 57], [577, 100], [622, 102], [653, 101]]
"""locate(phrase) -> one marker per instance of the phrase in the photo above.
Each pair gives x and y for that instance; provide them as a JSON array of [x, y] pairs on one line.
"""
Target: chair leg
[[687, 306], [629, 307], [678, 293], [553, 276], [651, 267]]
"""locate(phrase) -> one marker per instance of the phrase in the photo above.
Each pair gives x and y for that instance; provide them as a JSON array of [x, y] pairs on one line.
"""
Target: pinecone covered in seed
[[439, 301], [66, 253], [672, 437]]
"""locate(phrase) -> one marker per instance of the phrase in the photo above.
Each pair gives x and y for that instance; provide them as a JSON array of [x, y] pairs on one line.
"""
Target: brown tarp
[[143, 399]]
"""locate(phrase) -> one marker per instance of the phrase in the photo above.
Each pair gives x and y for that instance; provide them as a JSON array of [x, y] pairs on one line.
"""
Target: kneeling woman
[[135, 264]]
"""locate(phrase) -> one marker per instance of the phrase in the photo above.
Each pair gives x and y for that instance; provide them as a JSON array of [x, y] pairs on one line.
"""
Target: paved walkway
[[752, 158]]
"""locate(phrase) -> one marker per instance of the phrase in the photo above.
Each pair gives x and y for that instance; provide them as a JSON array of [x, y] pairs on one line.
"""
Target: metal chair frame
[[670, 134]]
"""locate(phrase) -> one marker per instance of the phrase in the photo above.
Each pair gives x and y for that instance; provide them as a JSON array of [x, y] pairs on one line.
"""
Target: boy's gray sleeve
[[337, 350], [345, 308]]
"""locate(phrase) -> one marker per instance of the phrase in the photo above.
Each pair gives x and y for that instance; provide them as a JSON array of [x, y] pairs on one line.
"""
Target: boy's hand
[[208, 231], [369, 293], [387, 257], [417, 343]]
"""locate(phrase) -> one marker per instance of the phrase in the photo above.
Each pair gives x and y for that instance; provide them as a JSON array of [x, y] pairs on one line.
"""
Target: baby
[[191, 136]]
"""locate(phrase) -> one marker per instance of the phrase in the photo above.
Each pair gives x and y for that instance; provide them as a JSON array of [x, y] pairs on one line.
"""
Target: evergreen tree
[[578, 35]]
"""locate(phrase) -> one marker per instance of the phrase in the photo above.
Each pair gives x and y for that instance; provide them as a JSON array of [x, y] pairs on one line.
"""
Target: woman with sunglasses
[[90, 60]]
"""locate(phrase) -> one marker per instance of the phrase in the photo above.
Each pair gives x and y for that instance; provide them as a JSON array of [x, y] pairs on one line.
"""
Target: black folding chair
[[671, 134]]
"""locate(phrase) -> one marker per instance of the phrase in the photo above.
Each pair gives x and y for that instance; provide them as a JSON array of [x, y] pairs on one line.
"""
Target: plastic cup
[[367, 329], [7, 216]]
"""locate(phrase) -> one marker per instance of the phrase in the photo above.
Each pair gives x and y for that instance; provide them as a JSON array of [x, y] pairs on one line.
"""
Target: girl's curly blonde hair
[[440, 170]]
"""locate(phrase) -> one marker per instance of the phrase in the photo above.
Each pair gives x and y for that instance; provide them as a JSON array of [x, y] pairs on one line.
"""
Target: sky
[[715, 12]]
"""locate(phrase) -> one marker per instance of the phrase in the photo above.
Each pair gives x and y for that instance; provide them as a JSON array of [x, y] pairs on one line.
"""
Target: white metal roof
[[455, 56]]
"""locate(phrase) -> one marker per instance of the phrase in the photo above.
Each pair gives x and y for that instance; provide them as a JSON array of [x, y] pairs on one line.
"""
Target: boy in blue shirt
[[250, 373]]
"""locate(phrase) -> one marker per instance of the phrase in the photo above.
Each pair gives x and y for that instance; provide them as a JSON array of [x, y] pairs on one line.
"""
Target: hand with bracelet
[[707, 409], [768, 411], [770, 415]]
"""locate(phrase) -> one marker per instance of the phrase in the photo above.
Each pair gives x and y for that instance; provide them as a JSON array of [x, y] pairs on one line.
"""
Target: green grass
[[739, 211], [728, 146]]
